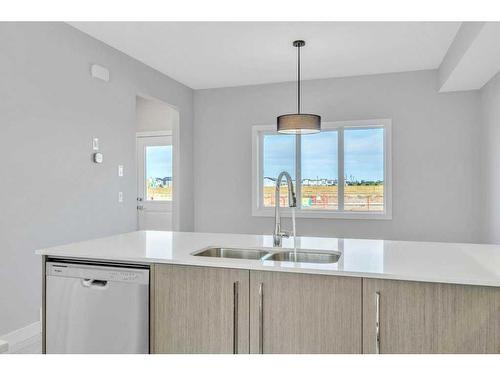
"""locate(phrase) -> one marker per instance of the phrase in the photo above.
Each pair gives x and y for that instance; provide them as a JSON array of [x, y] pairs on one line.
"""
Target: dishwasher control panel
[[97, 272]]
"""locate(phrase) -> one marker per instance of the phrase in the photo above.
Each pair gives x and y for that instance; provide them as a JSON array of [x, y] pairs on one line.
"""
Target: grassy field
[[356, 198], [160, 193]]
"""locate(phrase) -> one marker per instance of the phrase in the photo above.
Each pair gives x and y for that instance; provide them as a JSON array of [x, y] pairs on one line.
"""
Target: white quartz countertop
[[457, 263]]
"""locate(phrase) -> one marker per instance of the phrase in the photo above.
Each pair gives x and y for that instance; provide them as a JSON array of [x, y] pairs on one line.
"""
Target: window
[[344, 171], [319, 171], [279, 155], [364, 169], [158, 173]]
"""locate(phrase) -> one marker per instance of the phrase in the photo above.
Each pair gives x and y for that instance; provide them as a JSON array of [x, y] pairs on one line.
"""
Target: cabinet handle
[[261, 318], [377, 322], [235, 317]]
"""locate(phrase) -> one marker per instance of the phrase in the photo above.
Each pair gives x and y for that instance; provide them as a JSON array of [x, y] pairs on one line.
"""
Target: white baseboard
[[18, 339]]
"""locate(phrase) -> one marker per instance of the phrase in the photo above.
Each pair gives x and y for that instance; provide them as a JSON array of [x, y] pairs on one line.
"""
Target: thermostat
[[98, 157]]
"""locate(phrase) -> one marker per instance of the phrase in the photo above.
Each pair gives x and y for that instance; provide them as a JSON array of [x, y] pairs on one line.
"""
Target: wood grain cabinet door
[[199, 310], [300, 313], [417, 317]]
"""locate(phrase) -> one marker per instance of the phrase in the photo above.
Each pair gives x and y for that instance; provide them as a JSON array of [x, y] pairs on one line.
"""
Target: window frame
[[258, 131], [152, 139]]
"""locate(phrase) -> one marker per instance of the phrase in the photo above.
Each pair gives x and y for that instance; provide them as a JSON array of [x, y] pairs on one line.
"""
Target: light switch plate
[[95, 144], [120, 171], [120, 197]]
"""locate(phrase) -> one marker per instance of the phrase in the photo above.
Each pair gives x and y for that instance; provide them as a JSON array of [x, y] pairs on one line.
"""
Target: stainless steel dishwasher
[[96, 308]]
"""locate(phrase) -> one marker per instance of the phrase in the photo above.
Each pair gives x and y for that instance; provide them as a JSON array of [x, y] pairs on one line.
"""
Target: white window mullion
[[341, 177], [261, 169], [298, 171]]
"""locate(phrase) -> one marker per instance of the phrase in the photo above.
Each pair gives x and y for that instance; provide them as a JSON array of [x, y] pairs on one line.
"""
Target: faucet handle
[[278, 236], [284, 234]]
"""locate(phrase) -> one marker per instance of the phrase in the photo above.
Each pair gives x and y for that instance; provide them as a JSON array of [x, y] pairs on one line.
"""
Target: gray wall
[[435, 154], [490, 112], [154, 115], [50, 192]]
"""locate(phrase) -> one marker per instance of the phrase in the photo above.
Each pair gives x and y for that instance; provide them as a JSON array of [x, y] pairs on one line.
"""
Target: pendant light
[[299, 123]]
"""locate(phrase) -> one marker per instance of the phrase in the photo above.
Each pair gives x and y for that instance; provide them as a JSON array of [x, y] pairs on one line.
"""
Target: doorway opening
[[157, 164]]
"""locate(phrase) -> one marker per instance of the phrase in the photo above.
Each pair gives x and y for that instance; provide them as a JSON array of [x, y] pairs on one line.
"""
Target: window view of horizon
[[319, 153], [363, 169], [278, 156], [159, 173]]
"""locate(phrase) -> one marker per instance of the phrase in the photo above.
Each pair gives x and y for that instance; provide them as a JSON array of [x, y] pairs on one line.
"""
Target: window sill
[[316, 214]]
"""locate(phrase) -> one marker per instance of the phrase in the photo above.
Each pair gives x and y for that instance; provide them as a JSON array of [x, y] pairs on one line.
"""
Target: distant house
[[269, 181], [159, 182], [308, 182], [165, 181], [319, 182]]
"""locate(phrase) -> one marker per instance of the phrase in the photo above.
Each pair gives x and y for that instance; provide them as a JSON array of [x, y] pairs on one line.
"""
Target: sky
[[159, 161], [363, 148], [363, 154]]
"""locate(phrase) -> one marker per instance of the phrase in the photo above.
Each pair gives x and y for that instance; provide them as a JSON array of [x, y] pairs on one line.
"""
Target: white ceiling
[[219, 54]]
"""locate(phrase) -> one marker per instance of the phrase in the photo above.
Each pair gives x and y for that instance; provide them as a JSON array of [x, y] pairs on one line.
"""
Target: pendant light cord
[[298, 79], [297, 123]]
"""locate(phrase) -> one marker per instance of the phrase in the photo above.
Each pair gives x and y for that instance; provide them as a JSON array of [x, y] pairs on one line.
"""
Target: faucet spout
[[292, 202]]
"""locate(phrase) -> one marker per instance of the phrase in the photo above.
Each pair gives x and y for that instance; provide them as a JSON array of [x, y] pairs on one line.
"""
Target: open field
[[356, 198], [159, 193]]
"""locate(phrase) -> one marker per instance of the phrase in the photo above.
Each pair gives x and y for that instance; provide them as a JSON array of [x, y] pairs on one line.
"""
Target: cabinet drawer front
[[418, 317], [200, 310], [299, 313]]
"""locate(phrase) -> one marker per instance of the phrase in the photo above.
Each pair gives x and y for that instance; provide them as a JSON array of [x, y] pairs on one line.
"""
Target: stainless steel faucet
[[292, 202]]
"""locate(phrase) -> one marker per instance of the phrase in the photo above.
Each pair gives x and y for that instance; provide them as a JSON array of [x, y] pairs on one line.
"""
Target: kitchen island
[[377, 297]]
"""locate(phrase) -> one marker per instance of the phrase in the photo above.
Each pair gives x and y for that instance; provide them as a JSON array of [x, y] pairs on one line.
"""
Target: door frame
[[175, 167]]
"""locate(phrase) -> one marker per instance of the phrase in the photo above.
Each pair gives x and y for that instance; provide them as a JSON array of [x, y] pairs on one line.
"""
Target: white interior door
[[154, 182]]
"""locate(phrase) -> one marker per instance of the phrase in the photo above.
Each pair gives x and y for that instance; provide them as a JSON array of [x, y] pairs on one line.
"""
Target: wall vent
[[99, 72]]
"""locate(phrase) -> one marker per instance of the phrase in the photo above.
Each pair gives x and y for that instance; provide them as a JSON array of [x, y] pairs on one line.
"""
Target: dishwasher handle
[[94, 283]]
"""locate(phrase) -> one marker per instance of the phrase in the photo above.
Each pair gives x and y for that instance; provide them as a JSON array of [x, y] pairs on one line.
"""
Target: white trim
[[388, 169], [22, 337], [141, 144], [176, 169], [340, 169], [154, 133], [257, 169]]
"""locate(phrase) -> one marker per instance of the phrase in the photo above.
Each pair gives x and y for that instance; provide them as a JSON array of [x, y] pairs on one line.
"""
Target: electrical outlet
[[120, 171], [120, 197]]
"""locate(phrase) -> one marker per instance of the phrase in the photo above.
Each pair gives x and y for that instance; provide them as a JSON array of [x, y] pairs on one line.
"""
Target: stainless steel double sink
[[262, 254]]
